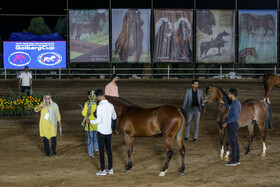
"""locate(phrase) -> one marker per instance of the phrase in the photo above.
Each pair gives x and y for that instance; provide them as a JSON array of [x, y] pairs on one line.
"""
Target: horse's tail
[[183, 121], [268, 116]]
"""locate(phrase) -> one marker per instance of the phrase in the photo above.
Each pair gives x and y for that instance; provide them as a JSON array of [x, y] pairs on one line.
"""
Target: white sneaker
[[110, 172], [101, 172]]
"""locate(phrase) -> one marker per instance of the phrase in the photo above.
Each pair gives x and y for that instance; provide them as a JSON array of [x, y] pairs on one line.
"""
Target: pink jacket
[[112, 90]]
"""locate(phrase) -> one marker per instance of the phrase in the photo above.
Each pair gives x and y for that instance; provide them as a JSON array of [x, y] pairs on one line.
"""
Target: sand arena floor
[[21, 154]]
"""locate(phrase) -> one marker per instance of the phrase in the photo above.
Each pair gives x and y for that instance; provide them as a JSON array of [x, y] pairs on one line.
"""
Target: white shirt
[[105, 113], [25, 78]]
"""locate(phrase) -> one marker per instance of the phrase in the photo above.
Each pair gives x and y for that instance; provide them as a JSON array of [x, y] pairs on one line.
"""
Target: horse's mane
[[248, 100], [123, 101], [226, 98]]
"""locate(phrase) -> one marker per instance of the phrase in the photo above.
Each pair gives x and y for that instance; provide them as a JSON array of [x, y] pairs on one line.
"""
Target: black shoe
[[231, 163], [194, 140], [47, 155], [186, 139], [54, 154]]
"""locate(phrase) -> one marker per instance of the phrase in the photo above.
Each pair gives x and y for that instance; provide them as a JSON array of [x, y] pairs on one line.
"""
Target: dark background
[[15, 15]]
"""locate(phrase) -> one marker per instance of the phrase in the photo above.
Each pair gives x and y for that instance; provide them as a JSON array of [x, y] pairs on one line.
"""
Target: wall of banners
[[89, 35], [257, 36], [173, 35], [131, 35], [215, 32]]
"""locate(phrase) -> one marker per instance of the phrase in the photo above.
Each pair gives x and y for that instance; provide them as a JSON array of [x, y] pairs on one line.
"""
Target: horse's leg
[[262, 130], [267, 87], [251, 134], [222, 136], [169, 151], [227, 150], [182, 151], [129, 140]]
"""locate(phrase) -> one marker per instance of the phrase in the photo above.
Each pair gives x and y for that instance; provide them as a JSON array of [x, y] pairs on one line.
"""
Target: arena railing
[[137, 73]]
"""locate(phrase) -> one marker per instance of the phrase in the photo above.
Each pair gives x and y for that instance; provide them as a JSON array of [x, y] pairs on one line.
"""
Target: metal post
[[110, 37], [275, 69], [114, 70], [221, 71], [35, 74], [59, 72], [5, 73]]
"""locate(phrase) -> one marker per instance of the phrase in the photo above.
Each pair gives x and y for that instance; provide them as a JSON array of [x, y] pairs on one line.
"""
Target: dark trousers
[[115, 122], [47, 146], [105, 140], [233, 140], [27, 88]]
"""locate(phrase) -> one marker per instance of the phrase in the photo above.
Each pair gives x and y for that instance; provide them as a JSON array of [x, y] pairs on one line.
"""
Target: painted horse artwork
[[91, 26], [135, 121], [162, 50], [205, 21], [244, 53], [182, 41], [130, 39], [253, 112], [269, 81], [252, 23], [218, 42]]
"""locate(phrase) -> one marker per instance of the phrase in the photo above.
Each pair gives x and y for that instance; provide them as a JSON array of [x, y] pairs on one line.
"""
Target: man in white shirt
[[105, 113], [25, 81]]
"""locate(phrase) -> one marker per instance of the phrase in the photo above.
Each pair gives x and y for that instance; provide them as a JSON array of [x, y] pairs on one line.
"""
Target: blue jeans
[[27, 88], [233, 140], [92, 141]]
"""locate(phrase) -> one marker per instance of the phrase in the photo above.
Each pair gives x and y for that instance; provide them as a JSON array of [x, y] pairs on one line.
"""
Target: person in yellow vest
[[88, 112], [50, 115]]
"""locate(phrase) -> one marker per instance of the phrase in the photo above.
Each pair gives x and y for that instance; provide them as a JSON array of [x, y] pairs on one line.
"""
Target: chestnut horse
[[135, 121], [252, 112], [269, 81]]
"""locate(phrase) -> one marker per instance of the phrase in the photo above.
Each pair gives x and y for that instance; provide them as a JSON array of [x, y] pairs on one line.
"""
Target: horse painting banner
[[257, 36], [131, 35], [89, 35], [173, 35], [215, 36]]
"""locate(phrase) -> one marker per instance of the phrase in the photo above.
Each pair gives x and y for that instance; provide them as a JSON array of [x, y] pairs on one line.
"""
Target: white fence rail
[[138, 73]]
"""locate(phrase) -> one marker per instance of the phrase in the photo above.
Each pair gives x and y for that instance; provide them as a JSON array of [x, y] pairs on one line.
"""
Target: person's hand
[[19, 87], [224, 125], [87, 121], [221, 101], [44, 105], [60, 124]]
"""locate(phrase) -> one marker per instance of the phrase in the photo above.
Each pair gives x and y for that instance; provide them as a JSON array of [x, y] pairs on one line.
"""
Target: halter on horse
[[135, 121], [252, 112]]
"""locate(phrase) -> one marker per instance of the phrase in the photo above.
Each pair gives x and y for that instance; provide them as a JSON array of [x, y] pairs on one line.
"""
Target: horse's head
[[254, 53], [165, 27], [209, 97], [224, 33], [213, 94], [133, 17], [206, 21], [102, 16]]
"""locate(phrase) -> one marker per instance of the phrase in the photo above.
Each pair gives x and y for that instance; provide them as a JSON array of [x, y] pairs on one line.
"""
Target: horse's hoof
[[245, 154], [226, 159], [221, 157], [263, 154], [181, 173], [161, 174], [127, 171]]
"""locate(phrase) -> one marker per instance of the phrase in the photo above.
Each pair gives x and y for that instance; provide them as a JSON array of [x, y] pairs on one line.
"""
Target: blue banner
[[35, 55]]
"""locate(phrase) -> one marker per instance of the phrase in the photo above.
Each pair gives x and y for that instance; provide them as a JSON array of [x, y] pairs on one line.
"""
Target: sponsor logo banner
[[36, 55]]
